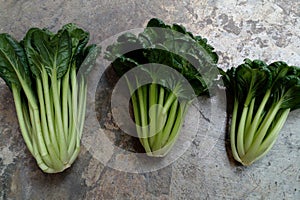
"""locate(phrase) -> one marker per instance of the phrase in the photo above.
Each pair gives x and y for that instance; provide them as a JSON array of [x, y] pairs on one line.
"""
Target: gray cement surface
[[268, 30]]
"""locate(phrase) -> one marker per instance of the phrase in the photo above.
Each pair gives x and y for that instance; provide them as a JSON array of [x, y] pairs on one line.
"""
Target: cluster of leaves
[[172, 46], [159, 107], [263, 97], [41, 71]]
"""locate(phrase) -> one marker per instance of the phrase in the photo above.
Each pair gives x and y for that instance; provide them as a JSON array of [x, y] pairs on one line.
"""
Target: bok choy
[[159, 107], [41, 71], [263, 96]]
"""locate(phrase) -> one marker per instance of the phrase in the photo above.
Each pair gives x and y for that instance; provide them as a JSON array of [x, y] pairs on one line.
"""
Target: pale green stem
[[249, 118], [271, 138], [241, 131], [170, 123], [83, 108], [21, 119], [159, 117], [49, 110], [152, 102], [64, 99], [256, 121], [63, 154], [262, 131], [143, 114], [233, 131]]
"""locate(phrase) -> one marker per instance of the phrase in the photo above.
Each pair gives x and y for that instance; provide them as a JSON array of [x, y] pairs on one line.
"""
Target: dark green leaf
[[79, 39], [13, 62], [254, 78], [52, 52]]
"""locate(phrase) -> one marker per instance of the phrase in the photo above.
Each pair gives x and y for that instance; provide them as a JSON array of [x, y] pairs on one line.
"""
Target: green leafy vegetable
[[160, 106], [263, 97], [41, 71]]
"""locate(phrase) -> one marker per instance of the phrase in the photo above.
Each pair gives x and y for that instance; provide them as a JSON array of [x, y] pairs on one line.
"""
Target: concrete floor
[[204, 169]]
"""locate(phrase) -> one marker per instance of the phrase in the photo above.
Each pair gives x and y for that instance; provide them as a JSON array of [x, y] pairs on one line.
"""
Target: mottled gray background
[[268, 30]]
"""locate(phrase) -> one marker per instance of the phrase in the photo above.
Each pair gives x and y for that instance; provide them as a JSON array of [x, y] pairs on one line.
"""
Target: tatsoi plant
[[159, 107], [263, 96], [50, 101]]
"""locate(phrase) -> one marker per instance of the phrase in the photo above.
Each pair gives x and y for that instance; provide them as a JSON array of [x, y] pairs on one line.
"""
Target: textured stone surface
[[268, 30]]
